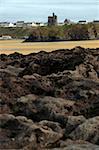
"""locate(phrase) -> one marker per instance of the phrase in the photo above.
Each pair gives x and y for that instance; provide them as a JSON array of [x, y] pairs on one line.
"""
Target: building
[[96, 21], [27, 24], [42, 24], [82, 22], [60, 24], [11, 25], [20, 24], [34, 24], [52, 20], [5, 37], [67, 22], [4, 24]]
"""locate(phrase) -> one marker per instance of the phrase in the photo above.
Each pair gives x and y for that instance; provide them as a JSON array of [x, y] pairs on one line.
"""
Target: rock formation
[[50, 100]]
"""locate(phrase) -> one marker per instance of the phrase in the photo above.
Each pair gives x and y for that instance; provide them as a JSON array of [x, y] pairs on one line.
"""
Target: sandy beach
[[11, 46]]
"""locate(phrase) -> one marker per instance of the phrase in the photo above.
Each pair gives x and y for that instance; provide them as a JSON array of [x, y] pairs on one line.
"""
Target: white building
[[67, 22], [82, 22], [5, 37], [34, 24], [19, 24], [42, 24], [22, 24], [11, 25], [96, 21], [4, 24], [27, 24], [60, 24]]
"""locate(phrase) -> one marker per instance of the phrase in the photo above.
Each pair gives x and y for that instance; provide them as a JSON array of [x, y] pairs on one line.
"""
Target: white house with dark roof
[[4, 24], [5, 37], [19, 23], [82, 22], [96, 21]]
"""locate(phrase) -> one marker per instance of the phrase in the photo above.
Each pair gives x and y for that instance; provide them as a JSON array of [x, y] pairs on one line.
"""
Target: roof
[[96, 21], [82, 21]]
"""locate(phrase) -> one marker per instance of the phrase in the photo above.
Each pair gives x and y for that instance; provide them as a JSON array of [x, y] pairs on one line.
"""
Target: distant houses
[[7, 24], [4, 24], [85, 22], [20, 24], [52, 21]]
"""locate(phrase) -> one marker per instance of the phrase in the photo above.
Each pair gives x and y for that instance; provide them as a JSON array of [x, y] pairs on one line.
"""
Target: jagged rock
[[47, 136], [88, 131], [78, 147], [44, 108], [40, 85], [19, 133], [53, 125], [55, 109], [16, 132], [12, 70], [73, 145], [57, 91], [72, 123]]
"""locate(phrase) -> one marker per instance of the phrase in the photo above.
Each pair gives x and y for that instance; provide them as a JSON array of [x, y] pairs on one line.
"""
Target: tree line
[[59, 33]]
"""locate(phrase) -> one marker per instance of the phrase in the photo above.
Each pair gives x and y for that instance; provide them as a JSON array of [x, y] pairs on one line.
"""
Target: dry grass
[[10, 46]]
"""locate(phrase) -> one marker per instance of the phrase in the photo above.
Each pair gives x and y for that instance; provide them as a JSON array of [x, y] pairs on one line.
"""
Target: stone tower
[[52, 20]]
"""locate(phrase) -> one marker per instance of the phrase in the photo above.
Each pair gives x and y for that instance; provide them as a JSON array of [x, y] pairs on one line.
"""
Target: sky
[[31, 10]]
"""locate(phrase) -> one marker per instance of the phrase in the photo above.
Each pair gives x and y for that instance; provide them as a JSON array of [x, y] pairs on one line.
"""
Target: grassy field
[[10, 46]]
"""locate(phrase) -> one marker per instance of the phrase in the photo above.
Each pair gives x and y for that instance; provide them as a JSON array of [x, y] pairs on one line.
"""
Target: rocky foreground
[[50, 100]]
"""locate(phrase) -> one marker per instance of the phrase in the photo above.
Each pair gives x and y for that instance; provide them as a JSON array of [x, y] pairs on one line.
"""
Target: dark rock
[[44, 108], [53, 125], [80, 146], [19, 133], [88, 131], [58, 91], [16, 132], [72, 123]]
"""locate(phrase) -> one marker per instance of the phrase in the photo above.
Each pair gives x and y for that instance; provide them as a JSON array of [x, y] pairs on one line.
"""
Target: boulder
[[72, 123], [20, 132], [44, 108], [88, 146], [88, 131], [55, 126], [16, 132]]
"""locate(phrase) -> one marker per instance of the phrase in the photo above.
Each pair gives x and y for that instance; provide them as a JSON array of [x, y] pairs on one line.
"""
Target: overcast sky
[[31, 10]]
